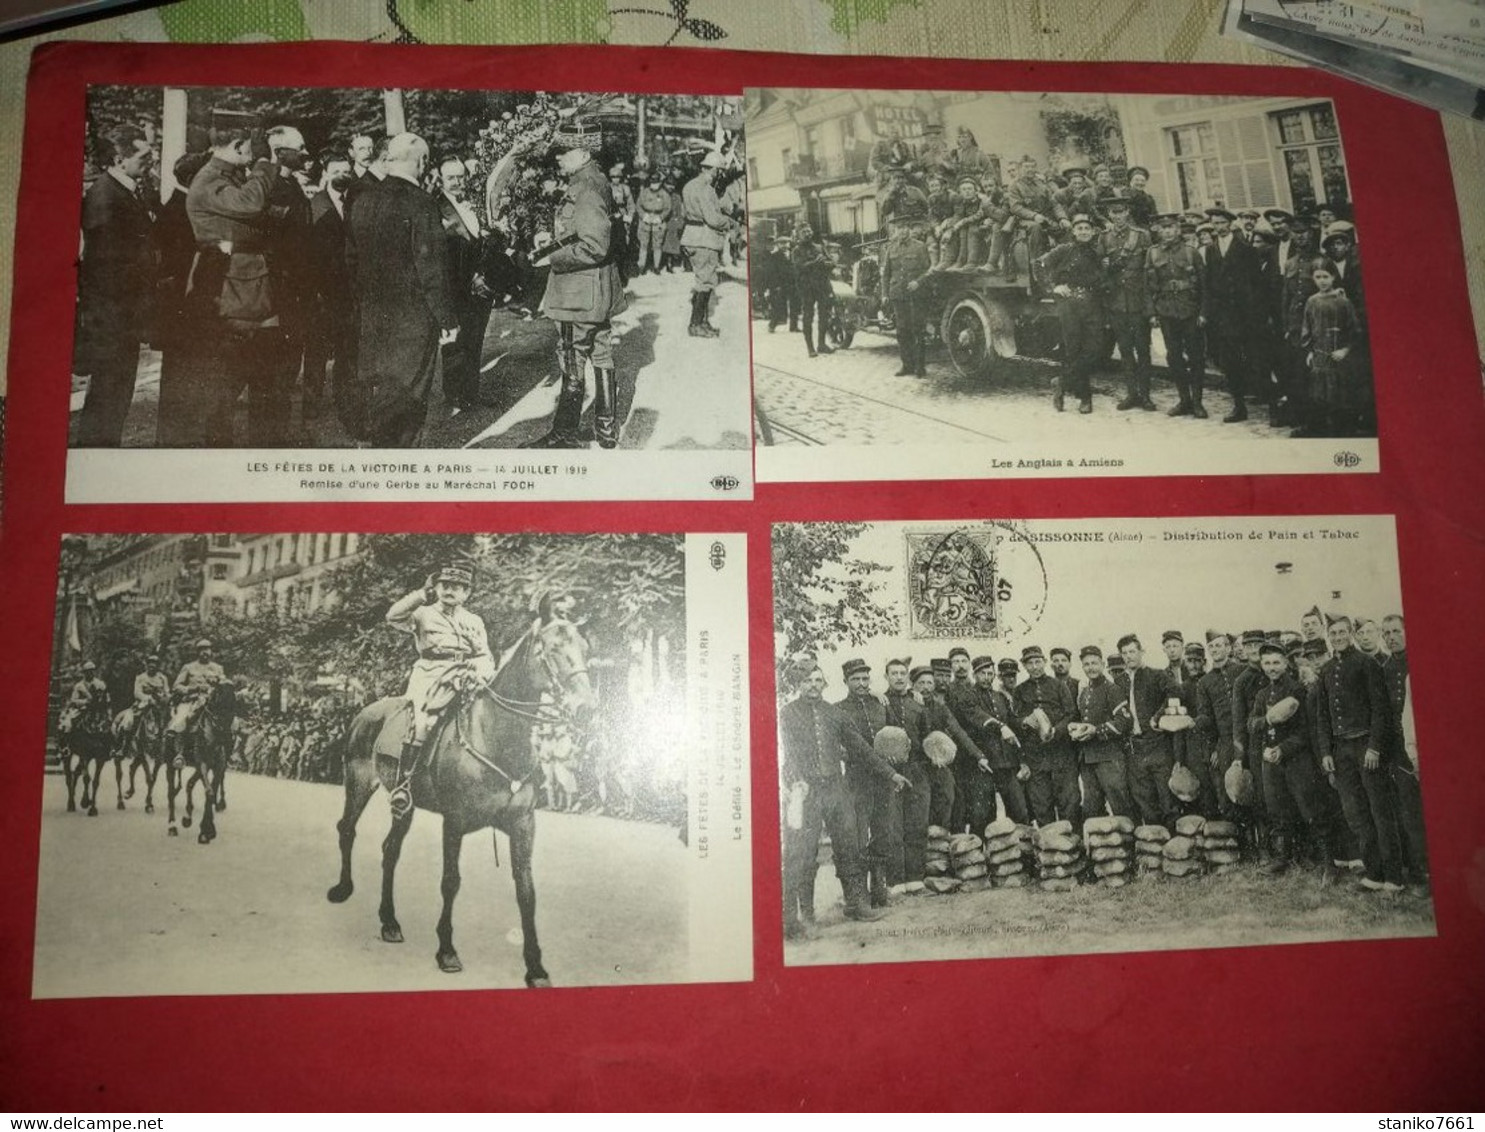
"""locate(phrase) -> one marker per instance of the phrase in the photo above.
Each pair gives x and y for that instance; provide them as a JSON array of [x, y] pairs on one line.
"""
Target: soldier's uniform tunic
[[1079, 266], [903, 710], [1404, 773], [192, 685], [1147, 692], [1052, 791], [873, 795], [1103, 756], [906, 261], [584, 290], [448, 644], [1211, 738], [1291, 786], [705, 231], [1125, 302], [1173, 283]]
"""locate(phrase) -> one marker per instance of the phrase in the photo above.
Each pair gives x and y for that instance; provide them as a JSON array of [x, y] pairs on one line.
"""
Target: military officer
[[151, 697], [193, 685], [1352, 732], [1044, 707], [1074, 271], [1125, 249], [584, 290], [703, 238], [873, 797], [818, 741], [453, 656], [1174, 277], [89, 694], [1099, 735]]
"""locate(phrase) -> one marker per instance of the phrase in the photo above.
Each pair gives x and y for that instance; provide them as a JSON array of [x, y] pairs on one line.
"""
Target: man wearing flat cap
[[584, 290], [1231, 297], [453, 656], [873, 796], [1044, 707]]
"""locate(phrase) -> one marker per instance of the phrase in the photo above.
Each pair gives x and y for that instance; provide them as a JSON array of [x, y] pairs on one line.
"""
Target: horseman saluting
[[192, 688], [453, 654]]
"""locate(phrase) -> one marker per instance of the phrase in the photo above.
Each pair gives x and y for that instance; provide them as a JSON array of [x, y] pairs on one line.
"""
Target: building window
[[753, 181], [1310, 147], [223, 541], [1196, 170], [1228, 161], [219, 571]]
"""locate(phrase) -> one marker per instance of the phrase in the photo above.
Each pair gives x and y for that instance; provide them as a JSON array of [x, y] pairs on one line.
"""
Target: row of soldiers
[[1318, 720]]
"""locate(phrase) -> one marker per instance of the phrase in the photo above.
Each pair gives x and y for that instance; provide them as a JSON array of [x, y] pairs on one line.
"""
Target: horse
[[203, 746], [139, 733], [87, 743], [481, 773]]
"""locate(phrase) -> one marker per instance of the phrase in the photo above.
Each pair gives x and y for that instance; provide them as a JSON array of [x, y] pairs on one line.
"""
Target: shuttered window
[[1313, 163]]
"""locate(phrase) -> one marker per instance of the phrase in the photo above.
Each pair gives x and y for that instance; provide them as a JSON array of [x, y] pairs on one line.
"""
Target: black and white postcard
[[361, 294], [265, 753], [1048, 737], [964, 285]]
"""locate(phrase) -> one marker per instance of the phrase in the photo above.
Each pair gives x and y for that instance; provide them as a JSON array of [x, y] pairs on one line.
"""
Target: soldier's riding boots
[[1182, 407], [1198, 410], [606, 406], [400, 796], [705, 303], [564, 430], [699, 327]]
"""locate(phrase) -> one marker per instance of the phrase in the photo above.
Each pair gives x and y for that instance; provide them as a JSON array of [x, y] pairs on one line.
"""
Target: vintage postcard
[[1047, 737], [963, 285], [246, 731], [362, 294]]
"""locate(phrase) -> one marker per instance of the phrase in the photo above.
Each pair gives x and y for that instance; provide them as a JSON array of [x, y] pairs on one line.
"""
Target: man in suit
[[116, 280], [400, 275], [1230, 298], [331, 332], [465, 240], [583, 292], [1147, 693]]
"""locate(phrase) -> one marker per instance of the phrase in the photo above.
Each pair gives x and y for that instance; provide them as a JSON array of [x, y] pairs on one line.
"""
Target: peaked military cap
[[1007, 664], [940, 664], [1060, 651], [981, 663], [578, 133], [918, 673], [1032, 652], [1196, 648], [1090, 650], [1172, 635], [1133, 169], [958, 650], [852, 667], [457, 573]]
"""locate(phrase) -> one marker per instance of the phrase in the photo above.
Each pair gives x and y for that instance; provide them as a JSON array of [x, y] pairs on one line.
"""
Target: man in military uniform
[[453, 656], [1074, 272], [151, 699], [1174, 278], [1291, 778], [1003, 750], [1032, 204], [584, 291], [1044, 707], [704, 237], [1245, 687], [905, 710], [193, 686], [1076, 196], [1142, 207], [623, 218], [1124, 250], [904, 202], [818, 741], [1060, 661], [1173, 644], [89, 695], [654, 214], [974, 787], [1352, 732], [874, 798], [943, 786], [1146, 692], [812, 278], [905, 262], [1099, 735], [1210, 742], [1402, 759]]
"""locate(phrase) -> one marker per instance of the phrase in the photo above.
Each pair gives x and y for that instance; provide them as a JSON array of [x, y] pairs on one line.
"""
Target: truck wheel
[[976, 331]]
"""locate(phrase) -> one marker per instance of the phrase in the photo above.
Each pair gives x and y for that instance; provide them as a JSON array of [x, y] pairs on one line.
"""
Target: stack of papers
[[1432, 51]]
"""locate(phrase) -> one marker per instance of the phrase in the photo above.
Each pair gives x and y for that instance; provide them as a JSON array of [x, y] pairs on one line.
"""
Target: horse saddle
[[397, 730]]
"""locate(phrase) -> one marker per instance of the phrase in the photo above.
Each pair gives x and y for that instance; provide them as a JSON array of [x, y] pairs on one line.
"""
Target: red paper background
[[1390, 1025]]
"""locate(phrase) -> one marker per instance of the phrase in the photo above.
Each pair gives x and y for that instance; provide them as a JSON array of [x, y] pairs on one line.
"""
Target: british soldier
[[1125, 250], [1174, 279], [453, 655], [905, 263], [1074, 272], [812, 270]]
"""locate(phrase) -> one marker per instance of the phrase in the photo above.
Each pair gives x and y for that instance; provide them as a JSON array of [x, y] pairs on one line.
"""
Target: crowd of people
[[1273, 299], [1303, 738], [346, 281]]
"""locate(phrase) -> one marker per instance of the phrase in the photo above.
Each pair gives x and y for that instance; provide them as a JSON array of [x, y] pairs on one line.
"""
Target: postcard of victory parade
[[964, 284], [229, 711], [1052, 737], [367, 294]]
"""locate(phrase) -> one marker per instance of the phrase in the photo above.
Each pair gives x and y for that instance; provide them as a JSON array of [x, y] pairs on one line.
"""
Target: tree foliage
[[824, 596]]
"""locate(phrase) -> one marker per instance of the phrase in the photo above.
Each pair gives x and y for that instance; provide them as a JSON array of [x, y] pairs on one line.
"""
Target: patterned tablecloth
[[1179, 31]]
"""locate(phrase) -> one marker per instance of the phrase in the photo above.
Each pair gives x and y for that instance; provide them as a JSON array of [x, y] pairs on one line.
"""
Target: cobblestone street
[[852, 397]]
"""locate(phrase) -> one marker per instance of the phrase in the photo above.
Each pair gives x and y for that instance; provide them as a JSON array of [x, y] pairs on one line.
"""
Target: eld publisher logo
[[726, 483], [1343, 459], [718, 555]]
